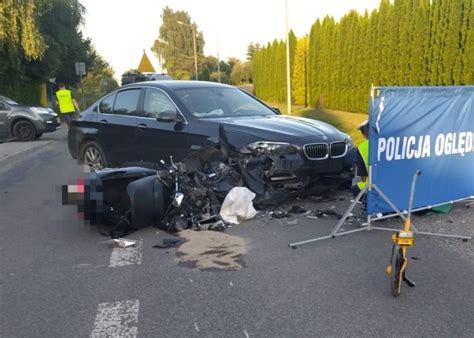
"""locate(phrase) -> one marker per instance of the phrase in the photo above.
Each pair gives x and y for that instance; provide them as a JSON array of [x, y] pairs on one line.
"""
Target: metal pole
[[195, 53], [288, 75], [82, 90], [218, 63]]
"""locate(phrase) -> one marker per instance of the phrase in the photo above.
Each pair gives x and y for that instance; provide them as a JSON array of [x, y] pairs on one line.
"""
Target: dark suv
[[151, 121], [25, 123]]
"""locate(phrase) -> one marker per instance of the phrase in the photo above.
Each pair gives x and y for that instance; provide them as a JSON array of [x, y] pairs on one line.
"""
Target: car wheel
[[24, 130], [38, 135], [93, 156]]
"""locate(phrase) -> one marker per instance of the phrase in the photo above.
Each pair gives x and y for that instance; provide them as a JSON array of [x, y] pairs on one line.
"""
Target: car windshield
[[7, 100], [212, 102]]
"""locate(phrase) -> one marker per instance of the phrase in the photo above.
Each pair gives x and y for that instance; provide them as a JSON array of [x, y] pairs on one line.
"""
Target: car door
[[117, 123], [4, 111], [161, 139]]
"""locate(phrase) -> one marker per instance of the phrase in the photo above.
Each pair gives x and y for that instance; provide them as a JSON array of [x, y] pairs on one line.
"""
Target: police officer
[[67, 104], [362, 158]]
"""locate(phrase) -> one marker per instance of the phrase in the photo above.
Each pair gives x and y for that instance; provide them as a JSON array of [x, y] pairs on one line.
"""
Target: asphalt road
[[57, 278]]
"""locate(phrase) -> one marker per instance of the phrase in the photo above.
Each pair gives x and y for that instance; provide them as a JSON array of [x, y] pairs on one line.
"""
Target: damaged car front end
[[276, 171]]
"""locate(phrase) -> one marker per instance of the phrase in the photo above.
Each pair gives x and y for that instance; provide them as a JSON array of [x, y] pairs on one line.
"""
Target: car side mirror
[[168, 116], [3, 106], [276, 110]]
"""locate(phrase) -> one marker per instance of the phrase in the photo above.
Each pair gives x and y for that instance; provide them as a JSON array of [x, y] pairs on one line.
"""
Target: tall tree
[[19, 34], [467, 58], [251, 50], [41, 39], [418, 71], [174, 45], [299, 83], [60, 22], [452, 42], [241, 73]]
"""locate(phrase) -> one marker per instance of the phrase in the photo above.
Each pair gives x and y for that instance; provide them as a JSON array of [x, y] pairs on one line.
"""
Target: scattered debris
[[211, 250], [312, 217], [168, 243], [323, 198], [123, 243], [293, 222], [213, 224], [279, 214], [296, 209], [327, 212]]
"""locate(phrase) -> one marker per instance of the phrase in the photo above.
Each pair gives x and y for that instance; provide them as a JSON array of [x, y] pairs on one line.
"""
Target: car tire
[[38, 135], [24, 130], [93, 156]]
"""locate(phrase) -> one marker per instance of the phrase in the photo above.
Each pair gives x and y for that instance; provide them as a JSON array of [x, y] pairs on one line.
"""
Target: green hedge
[[402, 43]]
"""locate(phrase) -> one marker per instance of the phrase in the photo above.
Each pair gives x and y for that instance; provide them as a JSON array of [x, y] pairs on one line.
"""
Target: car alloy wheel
[[93, 157], [24, 131]]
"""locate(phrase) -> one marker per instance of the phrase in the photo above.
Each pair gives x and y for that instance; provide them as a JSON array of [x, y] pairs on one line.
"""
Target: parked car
[[139, 77], [25, 123], [151, 121]]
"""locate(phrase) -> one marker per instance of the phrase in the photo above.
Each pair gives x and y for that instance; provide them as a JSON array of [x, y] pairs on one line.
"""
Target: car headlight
[[349, 141], [267, 147], [44, 111]]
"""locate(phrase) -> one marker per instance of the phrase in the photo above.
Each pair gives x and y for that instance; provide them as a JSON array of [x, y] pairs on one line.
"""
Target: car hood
[[278, 127]]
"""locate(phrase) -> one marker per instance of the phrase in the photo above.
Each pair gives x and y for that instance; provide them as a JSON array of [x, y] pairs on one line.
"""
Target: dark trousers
[[68, 117]]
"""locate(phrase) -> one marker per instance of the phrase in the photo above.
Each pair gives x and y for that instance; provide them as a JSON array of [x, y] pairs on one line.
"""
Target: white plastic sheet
[[238, 205]]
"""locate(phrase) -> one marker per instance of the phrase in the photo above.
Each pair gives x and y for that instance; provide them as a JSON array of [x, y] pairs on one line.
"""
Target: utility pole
[[194, 43], [218, 63], [288, 75], [81, 71]]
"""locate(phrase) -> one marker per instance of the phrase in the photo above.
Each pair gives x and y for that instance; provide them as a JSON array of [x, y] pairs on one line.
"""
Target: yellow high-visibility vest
[[364, 153], [65, 101]]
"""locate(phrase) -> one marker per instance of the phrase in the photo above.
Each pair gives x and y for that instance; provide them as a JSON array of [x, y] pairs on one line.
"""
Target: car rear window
[[156, 103], [126, 102]]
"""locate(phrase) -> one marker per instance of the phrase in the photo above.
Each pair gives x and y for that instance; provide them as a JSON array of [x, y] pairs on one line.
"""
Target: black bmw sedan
[[151, 121]]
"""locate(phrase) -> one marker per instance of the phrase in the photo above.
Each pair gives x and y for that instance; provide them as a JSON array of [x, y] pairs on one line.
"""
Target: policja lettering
[[398, 148], [412, 147], [454, 143]]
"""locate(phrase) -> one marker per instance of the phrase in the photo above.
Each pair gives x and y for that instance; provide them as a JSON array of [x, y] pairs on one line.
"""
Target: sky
[[121, 29]]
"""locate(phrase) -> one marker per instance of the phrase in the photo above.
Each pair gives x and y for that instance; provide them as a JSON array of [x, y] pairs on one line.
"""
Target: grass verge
[[344, 121]]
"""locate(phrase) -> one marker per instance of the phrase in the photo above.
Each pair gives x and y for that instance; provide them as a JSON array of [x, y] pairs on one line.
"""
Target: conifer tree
[[452, 41], [299, 83]]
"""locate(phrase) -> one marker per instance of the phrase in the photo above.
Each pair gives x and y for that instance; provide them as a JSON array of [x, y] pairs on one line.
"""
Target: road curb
[[18, 156]]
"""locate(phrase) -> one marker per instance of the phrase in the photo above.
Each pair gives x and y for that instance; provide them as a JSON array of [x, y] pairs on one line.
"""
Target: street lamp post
[[194, 44]]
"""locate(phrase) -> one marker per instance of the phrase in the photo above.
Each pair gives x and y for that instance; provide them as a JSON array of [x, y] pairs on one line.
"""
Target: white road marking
[[117, 319], [246, 334], [126, 256], [196, 326]]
